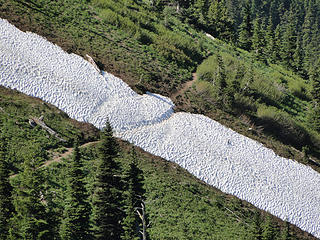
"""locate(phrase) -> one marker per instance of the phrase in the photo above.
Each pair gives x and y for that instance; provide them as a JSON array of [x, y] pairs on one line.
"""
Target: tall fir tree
[[106, 200], [268, 230], [314, 112], [277, 43], [245, 29], [133, 197], [76, 215], [30, 219], [258, 40], [270, 42], [219, 22], [285, 233], [220, 82], [6, 205], [199, 13], [298, 57], [256, 226], [289, 40]]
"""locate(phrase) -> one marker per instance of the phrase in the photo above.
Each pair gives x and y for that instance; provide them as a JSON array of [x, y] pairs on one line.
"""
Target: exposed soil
[[185, 87], [58, 157]]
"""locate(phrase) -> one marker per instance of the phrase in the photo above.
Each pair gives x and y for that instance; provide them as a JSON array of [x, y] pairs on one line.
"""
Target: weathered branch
[[142, 216], [90, 60], [39, 122]]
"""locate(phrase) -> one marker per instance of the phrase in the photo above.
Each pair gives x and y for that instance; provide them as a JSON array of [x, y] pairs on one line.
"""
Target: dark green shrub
[[280, 124]]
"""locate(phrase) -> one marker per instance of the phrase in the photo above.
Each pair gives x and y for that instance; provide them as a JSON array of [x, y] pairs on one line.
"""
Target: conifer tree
[[285, 234], [76, 215], [314, 113], [255, 8], [6, 206], [257, 231], [30, 220], [106, 197], [268, 230], [200, 12], [133, 197], [258, 41], [220, 82], [298, 57], [289, 40], [309, 22], [245, 31], [219, 22], [277, 43], [270, 42]]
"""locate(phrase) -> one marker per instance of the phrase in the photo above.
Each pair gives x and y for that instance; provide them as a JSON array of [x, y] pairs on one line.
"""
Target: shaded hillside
[[158, 55], [178, 205], [152, 48]]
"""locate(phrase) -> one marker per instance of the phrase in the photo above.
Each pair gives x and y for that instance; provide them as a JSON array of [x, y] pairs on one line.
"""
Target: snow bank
[[215, 154], [32, 65]]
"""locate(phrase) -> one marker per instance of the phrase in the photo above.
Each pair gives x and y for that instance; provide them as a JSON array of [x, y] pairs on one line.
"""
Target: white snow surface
[[215, 154]]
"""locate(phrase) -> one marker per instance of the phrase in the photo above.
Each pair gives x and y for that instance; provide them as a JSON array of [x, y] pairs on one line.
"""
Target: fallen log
[[39, 122], [90, 60]]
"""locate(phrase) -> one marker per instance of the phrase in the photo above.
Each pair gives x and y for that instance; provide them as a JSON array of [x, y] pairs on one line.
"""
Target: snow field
[[32, 65], [215, 154]]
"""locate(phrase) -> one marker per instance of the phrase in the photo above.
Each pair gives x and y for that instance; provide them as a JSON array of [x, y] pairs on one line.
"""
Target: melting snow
[[213, 153]]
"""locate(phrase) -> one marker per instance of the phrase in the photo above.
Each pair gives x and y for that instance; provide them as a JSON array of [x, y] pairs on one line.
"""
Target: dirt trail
[[58, 158], [185, 87]]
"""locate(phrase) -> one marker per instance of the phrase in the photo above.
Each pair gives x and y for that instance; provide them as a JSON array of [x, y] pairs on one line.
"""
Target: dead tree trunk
[[45, 127], [142, 216], [90, 60]]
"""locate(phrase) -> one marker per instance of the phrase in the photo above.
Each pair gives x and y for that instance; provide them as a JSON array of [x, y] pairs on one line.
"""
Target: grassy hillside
[[17, 109], [157, 51], [178, 205]]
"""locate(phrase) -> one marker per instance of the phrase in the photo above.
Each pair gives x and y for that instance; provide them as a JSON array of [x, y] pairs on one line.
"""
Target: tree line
[[107, 209], [276, 31]]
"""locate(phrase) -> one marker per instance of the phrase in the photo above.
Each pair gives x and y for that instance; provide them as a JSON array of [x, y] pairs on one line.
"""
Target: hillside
[[173, 196], [275, 94], [265, 110]]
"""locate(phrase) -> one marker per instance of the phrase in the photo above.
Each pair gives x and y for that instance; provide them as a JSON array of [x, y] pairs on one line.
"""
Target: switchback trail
[[185, 87], [58, 158]]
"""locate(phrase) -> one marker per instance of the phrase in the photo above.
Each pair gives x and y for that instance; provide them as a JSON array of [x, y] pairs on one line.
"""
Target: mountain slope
[[173, 196], [200, 149]]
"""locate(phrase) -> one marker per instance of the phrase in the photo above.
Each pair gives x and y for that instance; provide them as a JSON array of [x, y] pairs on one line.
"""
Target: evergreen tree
[[106, 198], [220, 82], [274, 13], [133, 197], [270, 42], [30, 220], [314, 113], [257, 231], [285, 234], [247, 89], [258, 41], [289, 40], [233, 10], [218, 20], [76, 215], [277, 44], [255, 8], [245, 31], [200, 12], [6, 206], [309, 22], [298, 57], [268, 230]]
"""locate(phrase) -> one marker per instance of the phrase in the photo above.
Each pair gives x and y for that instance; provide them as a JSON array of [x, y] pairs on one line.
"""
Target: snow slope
[[215, 154]]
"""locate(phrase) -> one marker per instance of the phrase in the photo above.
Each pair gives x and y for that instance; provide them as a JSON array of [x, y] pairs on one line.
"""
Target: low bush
[[280, 124]]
